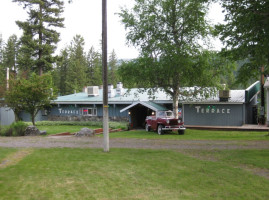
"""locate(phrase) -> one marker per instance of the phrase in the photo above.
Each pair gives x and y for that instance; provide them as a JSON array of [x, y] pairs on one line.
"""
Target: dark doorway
[[138, 115]]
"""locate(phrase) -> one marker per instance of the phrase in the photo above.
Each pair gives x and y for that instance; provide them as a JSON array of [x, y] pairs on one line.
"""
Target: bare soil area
[[97, 142]]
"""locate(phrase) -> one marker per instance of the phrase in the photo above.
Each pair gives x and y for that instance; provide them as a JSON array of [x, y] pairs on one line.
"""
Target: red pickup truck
[[164, 121]]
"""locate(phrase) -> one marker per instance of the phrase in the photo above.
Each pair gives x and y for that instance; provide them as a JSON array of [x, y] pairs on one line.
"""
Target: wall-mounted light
[[153, 113], [129, 113]]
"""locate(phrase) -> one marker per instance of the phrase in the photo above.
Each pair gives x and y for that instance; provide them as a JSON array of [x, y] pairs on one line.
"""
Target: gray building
[[7, 116], [238, 107], [235, 108]]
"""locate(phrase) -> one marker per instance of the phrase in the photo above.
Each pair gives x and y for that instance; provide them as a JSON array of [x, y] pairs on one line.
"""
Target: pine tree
[[94, 67], [10, 53], [39, 40], [76, 72], [60, 72], [2, 70], [1, 49], [112, 73]]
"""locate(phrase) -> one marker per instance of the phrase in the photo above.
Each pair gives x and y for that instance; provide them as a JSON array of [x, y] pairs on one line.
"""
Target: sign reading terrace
[[212, 110]]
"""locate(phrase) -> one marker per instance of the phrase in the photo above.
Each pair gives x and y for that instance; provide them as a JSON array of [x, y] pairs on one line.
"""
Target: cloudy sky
[[84, 17]]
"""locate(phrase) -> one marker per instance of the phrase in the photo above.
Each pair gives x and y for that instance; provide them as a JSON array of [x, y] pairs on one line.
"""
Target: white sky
[[84, 17]]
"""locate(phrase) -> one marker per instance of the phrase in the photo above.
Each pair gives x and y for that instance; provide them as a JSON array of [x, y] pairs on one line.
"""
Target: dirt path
[[14, 158], [97, 142]]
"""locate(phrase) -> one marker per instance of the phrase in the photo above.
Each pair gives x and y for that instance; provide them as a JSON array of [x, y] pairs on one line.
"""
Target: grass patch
[[4, 152], [63, 128], [191, 134], [125, 174], [113, 125], [250, 158], [54, 127]]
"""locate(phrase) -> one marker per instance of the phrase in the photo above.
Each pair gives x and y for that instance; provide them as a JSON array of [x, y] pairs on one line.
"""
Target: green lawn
[[62, 173], [4, 152], [248, 158], [191, 134]]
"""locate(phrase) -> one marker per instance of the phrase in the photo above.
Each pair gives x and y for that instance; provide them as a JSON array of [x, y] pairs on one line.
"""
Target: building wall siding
[[214, 114], [249, 114], [27, 117], [75, 113], [71, 110], [7, 116]]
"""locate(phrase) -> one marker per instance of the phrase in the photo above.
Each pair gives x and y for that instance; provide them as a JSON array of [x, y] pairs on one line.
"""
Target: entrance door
[[138, 116]]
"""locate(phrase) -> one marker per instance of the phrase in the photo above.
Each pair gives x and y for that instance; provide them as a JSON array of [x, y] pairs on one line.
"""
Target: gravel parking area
[[97, 142]]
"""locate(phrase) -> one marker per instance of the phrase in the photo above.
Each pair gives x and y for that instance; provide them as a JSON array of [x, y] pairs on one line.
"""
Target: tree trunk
[[16, 114], [40, 67], [175, 105], [33, 118], [262, 119]]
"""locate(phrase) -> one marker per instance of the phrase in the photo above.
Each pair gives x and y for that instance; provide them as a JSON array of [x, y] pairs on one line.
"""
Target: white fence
[[6, 116]]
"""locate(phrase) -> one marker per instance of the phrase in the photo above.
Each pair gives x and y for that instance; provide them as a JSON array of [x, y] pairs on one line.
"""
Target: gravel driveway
[[97, 142]]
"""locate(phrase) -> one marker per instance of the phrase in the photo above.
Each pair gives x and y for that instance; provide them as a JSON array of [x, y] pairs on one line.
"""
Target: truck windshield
[[169, 114]]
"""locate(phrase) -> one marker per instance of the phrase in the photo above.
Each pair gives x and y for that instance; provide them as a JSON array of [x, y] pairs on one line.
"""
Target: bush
[[8, 132], [18, 128], [15, 129]]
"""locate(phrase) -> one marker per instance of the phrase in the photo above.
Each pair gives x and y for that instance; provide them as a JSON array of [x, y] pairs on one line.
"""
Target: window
[[169, 114], [89, 111], [44, 112], [162, 114]]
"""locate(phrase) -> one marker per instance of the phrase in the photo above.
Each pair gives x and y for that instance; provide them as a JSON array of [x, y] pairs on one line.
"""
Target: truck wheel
[[181, 132], [147, 127], [160, 131]]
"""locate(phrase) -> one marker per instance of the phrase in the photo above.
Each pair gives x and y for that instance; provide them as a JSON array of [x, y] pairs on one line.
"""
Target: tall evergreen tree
[[1, 49], [60, 72], [39, 39], [76, 72], [2, 70], [10, 53], [112, 71], [94, 67]]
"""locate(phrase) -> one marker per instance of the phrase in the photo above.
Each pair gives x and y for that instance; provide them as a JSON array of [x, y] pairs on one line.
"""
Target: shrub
[[15, 129], [18, 128], [7, 132]]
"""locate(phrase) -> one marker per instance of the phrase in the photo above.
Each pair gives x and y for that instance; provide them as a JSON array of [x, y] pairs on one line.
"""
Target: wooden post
[[105, 85]]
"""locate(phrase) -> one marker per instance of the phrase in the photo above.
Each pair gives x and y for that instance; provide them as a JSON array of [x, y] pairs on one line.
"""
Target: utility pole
[[105, 85]]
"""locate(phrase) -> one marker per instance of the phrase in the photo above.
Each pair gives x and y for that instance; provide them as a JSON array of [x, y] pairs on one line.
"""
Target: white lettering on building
[[197, 108], [212, 110], [67, 111]]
